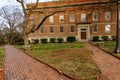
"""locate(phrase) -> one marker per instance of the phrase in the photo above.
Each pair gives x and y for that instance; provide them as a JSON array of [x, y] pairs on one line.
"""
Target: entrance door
[[83, 34]]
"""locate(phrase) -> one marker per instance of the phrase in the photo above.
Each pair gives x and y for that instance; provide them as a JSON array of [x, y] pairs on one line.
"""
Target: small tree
[[30, 10]]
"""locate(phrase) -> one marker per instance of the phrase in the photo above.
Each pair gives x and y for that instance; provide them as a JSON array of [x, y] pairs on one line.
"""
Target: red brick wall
[[77, 10]]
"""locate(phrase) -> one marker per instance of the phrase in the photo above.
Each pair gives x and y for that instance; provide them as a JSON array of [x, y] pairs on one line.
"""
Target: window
[[95, 15], [51, 19], [51, 29], [41, 18], [61, 18], [95, 28], [41, 29], [32, 20], [83, 16], [72, 17], [72, 29], [61, 29], [107, 15], [107, 28]]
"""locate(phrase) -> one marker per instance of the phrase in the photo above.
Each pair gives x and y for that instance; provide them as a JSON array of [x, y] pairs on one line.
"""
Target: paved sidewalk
[[19, 66], [109, 65]]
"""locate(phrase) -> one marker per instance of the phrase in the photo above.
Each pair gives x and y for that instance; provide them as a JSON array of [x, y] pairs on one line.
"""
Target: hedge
[[71, 39]]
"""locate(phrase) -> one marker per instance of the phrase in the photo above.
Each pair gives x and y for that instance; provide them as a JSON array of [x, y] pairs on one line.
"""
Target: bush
[[44, 40], [71, 39], [113, 38], [105, 38], [36, 41], [1, 41], [60, 40], [96, 38], [20, 43], [52, 40]]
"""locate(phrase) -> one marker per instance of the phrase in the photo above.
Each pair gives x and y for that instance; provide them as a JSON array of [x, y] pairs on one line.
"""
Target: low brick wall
[[1, 74]]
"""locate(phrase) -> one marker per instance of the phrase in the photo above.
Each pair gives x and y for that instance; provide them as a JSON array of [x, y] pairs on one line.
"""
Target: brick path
[[109, 65], [19, 66]]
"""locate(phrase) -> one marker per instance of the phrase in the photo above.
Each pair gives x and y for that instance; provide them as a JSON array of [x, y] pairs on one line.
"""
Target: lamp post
[[117, 49]]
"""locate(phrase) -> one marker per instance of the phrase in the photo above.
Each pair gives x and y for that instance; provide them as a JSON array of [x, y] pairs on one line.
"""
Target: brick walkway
[[109, 65], [19, 66]]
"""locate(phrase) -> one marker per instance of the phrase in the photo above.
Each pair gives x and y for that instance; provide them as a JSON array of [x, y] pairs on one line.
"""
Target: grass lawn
[[1, 56], [70, 58], [108, 46]]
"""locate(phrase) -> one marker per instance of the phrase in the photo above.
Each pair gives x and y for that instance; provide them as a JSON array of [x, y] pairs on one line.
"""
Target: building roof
[[64, 3]]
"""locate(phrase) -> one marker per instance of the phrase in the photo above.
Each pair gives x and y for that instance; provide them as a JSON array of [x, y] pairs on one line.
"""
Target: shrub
[[36, 41], [113, 38], [105, 38], [71, 39], [1, 41], [96, 38], [44, 40], [20, 43], [52, 40], [60, 40]]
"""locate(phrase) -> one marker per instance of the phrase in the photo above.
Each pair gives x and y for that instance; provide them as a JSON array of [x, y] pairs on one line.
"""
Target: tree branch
[[33, 29]]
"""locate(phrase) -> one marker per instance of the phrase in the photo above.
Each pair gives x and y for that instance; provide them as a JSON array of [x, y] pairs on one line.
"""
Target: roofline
[[78, 4]]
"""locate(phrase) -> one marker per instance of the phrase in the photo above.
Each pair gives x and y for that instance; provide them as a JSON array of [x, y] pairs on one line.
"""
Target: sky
[[15, 3]]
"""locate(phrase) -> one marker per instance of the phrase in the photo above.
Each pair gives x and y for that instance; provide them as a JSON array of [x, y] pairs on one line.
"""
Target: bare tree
[[11, 18], [29, 11]]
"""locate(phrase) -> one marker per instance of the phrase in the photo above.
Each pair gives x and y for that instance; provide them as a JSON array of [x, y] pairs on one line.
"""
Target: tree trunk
[[26, 43]]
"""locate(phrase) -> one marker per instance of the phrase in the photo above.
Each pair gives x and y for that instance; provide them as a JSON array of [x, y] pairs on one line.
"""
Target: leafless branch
[[33, 29]]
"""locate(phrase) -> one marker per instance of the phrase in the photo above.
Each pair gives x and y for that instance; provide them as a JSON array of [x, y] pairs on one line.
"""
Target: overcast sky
[[15, 3]]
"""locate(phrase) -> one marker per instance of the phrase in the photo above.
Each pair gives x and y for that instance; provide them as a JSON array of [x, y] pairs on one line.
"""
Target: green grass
[[70, 58], [108, 46], [1, 56]]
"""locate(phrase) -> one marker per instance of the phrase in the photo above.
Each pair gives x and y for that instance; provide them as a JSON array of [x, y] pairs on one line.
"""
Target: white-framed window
[[95, 15], [61, 18], [41, 18], [83, 16], [51, 19], [72, 29], [41, 29], [51, 29], [32, 20], [72, 17], [107, 15], [95, 28], [61, 29], [107, 28]]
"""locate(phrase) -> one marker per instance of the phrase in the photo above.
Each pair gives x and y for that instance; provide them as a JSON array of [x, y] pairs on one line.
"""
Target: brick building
[[82, 19]]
